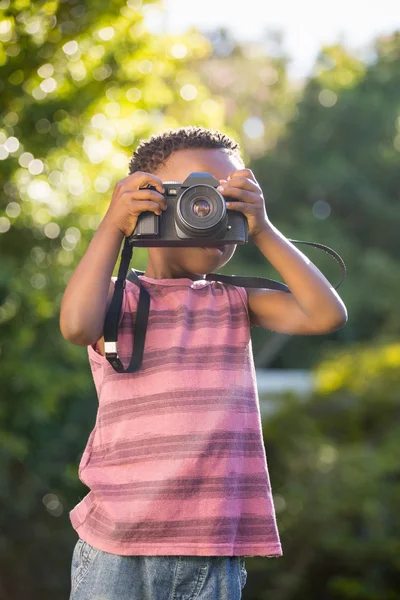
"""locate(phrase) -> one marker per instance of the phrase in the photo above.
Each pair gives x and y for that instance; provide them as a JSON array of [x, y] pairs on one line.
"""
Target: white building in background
[[273, 382]]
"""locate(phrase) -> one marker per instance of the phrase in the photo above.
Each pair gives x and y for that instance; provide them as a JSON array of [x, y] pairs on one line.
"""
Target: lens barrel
[[201, 210]]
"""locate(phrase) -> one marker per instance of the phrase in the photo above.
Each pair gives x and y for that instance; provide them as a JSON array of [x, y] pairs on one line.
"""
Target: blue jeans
[[98, 575]]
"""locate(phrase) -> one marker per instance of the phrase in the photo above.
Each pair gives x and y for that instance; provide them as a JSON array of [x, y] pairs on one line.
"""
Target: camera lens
[[201, 210], [201, 207]]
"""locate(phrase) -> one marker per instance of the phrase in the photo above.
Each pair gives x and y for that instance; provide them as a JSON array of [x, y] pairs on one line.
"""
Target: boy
[[176, 465]]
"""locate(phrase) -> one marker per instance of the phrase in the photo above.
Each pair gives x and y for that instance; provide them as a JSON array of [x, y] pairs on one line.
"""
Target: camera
[[196, 215]]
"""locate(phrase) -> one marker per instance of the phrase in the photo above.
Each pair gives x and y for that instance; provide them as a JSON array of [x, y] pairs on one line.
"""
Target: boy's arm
[[313, 307], [89, 291]]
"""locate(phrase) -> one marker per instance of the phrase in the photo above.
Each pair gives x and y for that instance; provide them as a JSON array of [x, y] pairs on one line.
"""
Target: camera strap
[[142, 314]]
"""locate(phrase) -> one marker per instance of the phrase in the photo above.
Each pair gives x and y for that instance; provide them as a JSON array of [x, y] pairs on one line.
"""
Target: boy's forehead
[[183, 162]]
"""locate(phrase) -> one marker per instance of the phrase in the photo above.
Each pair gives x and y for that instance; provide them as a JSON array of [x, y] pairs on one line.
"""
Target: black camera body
[[196, 215]]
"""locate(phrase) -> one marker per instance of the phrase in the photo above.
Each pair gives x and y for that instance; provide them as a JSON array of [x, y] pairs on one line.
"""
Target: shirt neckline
[[174, 281]]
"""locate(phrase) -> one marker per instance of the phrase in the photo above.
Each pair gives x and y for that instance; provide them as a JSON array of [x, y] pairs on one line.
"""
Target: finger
[[241, 182], [240, 194], [145, 205], [242, 207], [140, 178], [146, 195], [235, 206], [243, 173]]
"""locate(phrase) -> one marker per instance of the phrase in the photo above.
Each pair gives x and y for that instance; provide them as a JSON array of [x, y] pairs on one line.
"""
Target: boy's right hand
[[128, 200]]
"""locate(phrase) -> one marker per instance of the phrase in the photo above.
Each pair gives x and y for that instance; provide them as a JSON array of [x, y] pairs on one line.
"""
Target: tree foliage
[[333, 178], [334, 466], [80, 85]]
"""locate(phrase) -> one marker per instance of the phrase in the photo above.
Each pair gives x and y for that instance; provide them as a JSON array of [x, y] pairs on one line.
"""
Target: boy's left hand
[[243, 186]]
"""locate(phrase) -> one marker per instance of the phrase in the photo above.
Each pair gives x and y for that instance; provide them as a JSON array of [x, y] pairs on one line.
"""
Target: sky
[[305, 25]]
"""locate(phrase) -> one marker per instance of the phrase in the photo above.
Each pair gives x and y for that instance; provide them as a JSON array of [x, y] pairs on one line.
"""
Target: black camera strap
[[142, 314]]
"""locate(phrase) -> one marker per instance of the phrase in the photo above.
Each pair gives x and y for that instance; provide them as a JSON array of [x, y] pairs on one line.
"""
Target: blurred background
[[311, 92]]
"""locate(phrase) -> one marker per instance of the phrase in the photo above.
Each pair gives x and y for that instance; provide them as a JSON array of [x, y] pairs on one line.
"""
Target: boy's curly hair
[[152, 153]]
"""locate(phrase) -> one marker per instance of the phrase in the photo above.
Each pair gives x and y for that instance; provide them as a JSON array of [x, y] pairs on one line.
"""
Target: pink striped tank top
[[176, 463]]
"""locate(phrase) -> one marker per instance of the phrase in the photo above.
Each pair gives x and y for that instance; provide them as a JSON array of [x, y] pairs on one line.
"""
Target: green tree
[[334, 465], [81, 84], [333, 178]]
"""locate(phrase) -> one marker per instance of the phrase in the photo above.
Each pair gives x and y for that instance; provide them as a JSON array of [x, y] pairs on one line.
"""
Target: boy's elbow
[[337, 321], [73, 338], [76, 335], [343, 316]]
